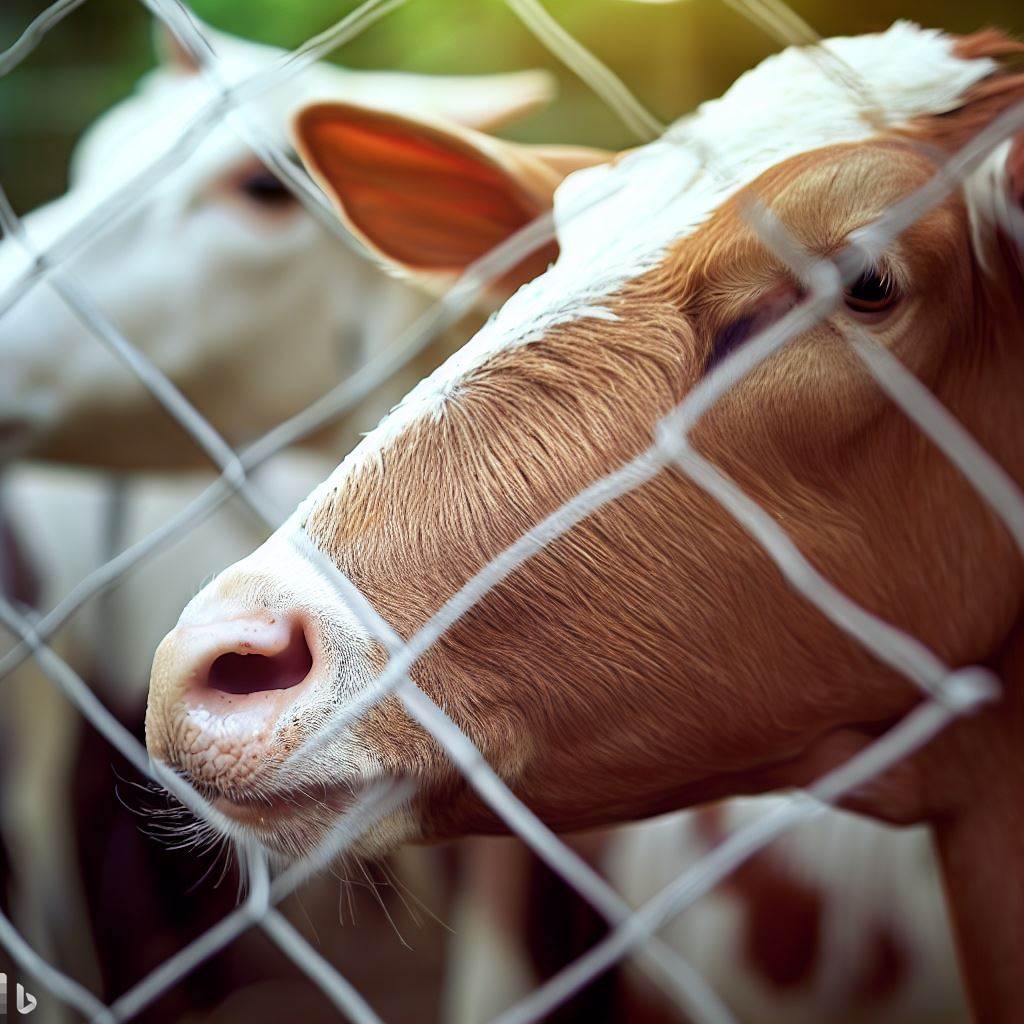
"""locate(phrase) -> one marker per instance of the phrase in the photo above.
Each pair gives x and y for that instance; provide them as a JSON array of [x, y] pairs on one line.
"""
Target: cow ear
[[482, 102], [431, 198]]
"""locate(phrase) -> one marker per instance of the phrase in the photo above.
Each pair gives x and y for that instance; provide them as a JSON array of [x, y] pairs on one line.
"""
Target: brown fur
[[604, 618]]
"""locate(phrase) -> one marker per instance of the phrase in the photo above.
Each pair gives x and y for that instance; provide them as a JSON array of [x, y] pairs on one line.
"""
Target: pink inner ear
[[426, 200]]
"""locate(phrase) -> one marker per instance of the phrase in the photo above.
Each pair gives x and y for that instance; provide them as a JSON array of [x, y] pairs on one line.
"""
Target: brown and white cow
[[654, 657]]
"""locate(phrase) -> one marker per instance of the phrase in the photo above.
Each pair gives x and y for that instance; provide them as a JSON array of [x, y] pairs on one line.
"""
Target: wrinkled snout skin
[[222, 731], [248, 676]]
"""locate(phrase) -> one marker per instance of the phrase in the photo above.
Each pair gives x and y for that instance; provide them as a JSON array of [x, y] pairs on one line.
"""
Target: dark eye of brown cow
[[264, 188], [872, 295]]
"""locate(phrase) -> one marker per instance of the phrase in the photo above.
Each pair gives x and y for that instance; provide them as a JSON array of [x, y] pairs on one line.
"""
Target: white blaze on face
[[615, 221]]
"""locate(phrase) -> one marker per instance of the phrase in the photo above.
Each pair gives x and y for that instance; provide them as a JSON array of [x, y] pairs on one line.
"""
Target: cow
[[164, 271], [654, 657]]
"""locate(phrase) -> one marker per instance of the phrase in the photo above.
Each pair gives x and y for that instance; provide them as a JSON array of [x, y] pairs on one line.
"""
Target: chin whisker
[[383, 905], [403, 890]]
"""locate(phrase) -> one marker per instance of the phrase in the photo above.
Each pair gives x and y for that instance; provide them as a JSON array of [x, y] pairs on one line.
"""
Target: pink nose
[[234, 674]]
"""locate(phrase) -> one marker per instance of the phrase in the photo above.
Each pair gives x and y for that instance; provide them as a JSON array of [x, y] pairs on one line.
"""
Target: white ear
[[482, 102]]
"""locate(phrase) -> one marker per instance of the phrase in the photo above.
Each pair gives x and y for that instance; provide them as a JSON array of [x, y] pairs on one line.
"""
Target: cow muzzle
[[225, 698]]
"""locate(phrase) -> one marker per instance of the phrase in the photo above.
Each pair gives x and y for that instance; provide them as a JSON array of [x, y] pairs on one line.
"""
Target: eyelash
[[879, 292]]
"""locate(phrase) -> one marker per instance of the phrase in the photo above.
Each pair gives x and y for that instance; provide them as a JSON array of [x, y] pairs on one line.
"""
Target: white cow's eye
[[264, 188]]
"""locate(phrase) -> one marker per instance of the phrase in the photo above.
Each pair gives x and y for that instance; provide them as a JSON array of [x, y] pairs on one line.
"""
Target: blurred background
[[672, 55], [140, 897]]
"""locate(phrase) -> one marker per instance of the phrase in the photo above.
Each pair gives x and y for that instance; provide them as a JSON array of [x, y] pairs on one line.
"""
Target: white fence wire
[[949, 693]]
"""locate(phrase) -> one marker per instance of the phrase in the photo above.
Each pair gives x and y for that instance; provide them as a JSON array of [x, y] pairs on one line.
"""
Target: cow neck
[[981, 845]]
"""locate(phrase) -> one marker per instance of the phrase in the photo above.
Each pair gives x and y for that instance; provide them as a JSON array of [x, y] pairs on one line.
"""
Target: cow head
[[653, 656], [219, 275]]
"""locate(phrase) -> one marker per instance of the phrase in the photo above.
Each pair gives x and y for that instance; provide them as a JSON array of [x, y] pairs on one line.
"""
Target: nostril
[[257, 673]]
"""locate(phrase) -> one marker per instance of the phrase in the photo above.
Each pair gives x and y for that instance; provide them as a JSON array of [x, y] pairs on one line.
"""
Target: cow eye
[[872, 295], [263, 188]]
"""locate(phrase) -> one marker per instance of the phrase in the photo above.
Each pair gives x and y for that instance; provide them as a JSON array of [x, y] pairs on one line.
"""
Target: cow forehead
[[789, 104], [616, 221]]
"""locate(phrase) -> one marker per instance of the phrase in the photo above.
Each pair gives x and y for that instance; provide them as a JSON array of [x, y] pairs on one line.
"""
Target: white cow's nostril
[[254, 671]]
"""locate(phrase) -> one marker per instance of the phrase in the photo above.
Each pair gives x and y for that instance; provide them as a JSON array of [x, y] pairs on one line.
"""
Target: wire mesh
[[949, 692]]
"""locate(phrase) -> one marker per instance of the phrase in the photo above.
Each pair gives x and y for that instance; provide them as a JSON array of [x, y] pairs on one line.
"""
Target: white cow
[[254, 309], [219, 276]]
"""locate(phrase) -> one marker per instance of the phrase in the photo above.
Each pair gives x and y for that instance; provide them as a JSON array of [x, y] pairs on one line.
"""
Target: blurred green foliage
[[671, 55]]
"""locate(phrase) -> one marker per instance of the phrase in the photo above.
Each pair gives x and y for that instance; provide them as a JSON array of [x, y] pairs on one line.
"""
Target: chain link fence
[[949, 692]]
